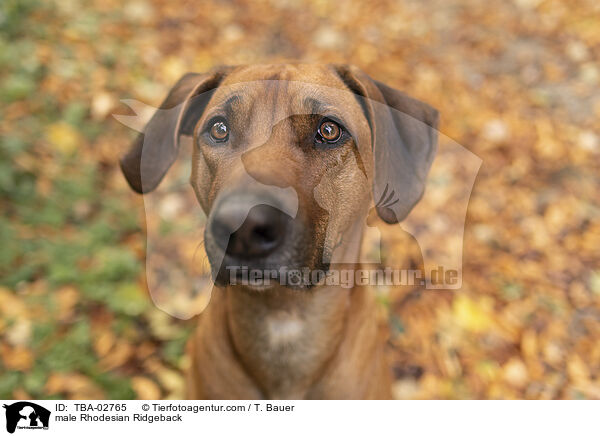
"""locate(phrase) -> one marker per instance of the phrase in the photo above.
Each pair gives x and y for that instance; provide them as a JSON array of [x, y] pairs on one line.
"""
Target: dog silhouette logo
[[26, 415]]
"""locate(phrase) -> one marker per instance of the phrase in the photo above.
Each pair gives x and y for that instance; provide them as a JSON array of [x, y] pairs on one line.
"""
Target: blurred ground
[[516, 83]]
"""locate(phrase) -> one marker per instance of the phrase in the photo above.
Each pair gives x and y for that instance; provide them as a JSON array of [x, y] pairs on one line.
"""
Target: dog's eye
[[219, 131], [329, 133]]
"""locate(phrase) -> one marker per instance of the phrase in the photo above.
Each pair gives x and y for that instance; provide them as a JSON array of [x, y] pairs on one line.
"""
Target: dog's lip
[[274, 261], [243, 280], [258, 288], [277, 277], [239, 269]]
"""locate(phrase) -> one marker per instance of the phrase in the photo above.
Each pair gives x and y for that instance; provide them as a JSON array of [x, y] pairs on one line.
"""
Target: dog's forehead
[[279, 91], [301, 86], [309, 73]]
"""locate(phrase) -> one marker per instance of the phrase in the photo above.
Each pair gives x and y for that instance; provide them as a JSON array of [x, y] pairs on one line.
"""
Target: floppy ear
[[155, 150], [404, 139]]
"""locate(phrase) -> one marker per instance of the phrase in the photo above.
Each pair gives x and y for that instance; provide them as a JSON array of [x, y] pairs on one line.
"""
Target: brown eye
[[219, 131], [330, 131]]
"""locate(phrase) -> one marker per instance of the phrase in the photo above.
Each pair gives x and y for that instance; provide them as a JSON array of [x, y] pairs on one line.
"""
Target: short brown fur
[[281, 343]]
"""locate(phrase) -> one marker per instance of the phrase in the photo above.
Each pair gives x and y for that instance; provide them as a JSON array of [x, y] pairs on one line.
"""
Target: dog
[[287, 161]]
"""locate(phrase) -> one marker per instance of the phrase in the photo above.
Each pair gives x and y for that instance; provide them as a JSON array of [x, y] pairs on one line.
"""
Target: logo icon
[[26, 415]]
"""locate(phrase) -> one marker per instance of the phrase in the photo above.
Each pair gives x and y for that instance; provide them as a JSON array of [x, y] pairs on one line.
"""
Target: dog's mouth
[[259, 241], [260, 257], [288, 266], [262, 279]]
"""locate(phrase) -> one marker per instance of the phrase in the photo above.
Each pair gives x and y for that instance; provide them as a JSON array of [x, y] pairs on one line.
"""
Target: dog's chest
[[283, 330], [285, 338], [294, 354], [283, 354]]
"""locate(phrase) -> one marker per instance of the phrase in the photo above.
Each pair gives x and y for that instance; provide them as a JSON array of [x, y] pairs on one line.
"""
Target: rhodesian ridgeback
[[288, 161]]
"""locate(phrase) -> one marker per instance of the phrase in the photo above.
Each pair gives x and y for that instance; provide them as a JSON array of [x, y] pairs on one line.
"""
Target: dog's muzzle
[[253, 229]]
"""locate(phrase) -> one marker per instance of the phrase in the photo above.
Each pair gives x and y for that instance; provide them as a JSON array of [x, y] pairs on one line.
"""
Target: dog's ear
[[404, 138], [155, 150]]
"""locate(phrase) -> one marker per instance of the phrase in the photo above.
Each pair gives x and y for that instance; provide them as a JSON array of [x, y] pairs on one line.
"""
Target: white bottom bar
[[309, 417]]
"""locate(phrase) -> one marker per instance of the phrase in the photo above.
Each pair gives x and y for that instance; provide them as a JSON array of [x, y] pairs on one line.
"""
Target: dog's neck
[[285, 337]]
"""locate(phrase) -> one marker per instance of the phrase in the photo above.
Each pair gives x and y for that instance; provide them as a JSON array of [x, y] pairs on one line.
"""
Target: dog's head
[[286, 159]]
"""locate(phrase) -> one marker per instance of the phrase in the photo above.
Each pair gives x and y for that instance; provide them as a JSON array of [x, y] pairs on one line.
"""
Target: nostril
[[260, 233], [265, 233]]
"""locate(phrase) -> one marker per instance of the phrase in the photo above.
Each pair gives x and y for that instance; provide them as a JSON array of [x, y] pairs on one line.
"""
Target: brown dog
[[286, 160]]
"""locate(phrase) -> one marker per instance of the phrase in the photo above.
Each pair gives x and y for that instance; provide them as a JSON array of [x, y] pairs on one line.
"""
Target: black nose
[[259, 234]]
